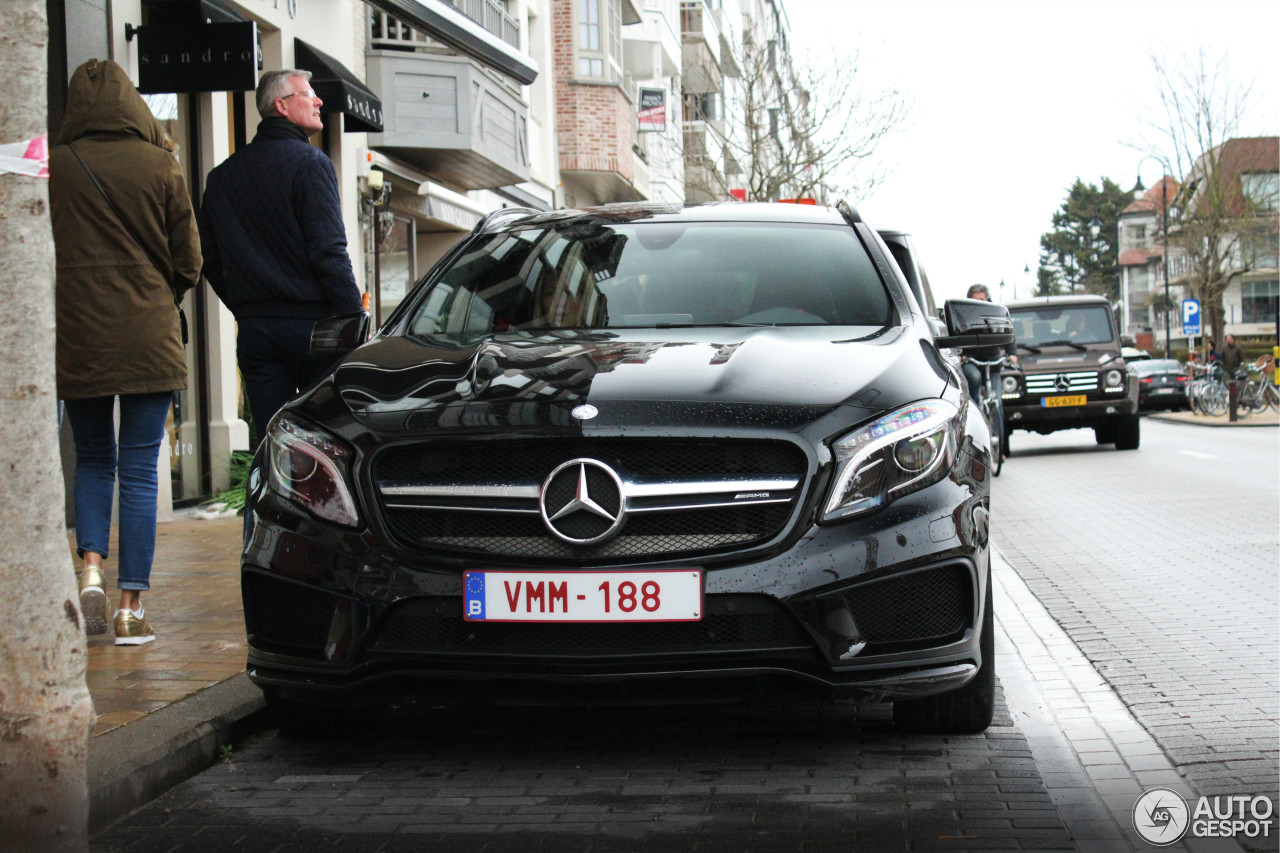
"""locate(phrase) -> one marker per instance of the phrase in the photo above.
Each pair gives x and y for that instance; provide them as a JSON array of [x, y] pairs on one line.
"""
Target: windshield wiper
[[1029, 348], [1064, 344]]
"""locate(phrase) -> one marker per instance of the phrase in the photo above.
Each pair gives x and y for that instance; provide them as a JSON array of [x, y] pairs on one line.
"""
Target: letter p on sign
[[1190, 317]]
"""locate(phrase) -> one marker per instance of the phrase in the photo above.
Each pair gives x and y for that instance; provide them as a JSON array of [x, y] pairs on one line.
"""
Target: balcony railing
[[386, 31]]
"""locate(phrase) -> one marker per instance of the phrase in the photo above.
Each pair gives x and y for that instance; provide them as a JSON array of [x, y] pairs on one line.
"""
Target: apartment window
[[1262, 250], [1259, 300], [599, 39], [1261, 188], [1138, 234], [705, 107]]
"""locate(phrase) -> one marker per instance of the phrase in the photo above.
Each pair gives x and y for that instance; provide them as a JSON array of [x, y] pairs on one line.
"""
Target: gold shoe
[[93, 600], [132, 628]]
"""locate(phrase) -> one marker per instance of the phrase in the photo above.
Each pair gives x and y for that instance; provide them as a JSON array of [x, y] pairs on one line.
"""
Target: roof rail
[[849, 212], [493, 220]]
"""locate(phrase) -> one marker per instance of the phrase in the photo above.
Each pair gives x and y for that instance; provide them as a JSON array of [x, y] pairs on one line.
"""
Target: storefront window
[[182, 428]]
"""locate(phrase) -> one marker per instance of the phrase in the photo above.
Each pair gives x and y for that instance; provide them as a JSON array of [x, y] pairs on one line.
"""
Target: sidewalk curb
[[133, 764], [1171, 419]]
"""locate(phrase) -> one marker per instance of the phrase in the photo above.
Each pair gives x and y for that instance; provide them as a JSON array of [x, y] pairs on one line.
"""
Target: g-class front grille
[[1063, 383], [638, 498]]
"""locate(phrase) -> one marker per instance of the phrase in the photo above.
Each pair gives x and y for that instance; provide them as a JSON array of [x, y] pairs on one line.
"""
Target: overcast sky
[[1014, 99]]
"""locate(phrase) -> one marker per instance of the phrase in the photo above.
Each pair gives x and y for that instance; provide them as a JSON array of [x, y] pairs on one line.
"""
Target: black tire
[[968, 710], [1128, 433], [1007, 432], [1105, 434], [311, 719]]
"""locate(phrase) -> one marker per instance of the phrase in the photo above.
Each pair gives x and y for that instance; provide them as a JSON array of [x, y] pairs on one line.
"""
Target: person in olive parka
[[118, 332]]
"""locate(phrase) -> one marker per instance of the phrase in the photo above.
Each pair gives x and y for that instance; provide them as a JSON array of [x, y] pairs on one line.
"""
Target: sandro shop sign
[[198, 57]]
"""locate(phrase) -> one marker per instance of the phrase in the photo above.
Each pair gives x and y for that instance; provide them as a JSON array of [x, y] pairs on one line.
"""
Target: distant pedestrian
[[1232, 356], [126, 248], [275, 246]]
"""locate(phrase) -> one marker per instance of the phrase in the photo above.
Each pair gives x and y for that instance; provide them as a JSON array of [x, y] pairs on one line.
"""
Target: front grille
[[920, 607], [434, 624], [1048, 383], [287, 617], [683, 498]]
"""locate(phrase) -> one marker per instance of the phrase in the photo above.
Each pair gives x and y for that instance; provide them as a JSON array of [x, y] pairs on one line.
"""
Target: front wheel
[[968, 710], [1128, 433]]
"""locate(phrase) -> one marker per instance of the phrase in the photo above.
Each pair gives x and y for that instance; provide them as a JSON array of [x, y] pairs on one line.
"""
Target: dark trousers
[[275, 360]]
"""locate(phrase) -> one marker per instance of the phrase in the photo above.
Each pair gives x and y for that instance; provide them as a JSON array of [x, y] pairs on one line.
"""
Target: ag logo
[[1161, 817]]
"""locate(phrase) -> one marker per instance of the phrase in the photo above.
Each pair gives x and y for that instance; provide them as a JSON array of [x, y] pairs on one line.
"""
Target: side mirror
[[334, 337], [1128, 341], [975, 323]]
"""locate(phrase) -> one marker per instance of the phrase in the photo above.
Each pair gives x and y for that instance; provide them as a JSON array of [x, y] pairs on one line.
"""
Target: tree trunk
[[45, 709]]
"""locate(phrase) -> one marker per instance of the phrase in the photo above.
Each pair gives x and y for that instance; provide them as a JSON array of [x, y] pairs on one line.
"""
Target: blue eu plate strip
[[473, 595]]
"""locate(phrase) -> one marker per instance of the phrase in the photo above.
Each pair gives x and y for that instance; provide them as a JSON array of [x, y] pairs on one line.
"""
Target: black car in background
[[629, 453], [1162, 384]]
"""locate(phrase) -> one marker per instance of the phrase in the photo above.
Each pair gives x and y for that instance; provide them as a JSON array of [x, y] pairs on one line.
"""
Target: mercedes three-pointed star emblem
[[581, 502]]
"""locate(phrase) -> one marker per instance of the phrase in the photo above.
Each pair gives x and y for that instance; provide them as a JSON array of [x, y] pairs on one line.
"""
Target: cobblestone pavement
[[788, 776], [1161, 565]]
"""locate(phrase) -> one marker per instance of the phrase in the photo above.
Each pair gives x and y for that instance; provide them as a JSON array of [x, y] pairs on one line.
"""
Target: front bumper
[[872, 609], [1031, 413]]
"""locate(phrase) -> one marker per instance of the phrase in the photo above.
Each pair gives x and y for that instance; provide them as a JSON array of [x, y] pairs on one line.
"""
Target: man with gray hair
[[275, 247]]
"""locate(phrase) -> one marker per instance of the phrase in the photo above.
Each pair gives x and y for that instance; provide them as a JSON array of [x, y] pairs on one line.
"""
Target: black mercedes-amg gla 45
[[629, 453]]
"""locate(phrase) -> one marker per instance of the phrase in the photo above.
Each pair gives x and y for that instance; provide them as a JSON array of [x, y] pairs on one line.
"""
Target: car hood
[[1059, 358], [773, 376]]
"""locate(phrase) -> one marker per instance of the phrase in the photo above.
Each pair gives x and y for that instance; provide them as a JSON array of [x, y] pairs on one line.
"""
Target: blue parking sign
[[1191, 317]]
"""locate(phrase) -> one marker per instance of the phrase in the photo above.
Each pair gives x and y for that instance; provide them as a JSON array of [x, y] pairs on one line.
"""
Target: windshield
[[591, 275], [1068, 324]]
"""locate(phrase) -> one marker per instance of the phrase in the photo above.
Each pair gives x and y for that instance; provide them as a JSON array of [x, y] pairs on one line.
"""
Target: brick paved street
[[1161, 565]]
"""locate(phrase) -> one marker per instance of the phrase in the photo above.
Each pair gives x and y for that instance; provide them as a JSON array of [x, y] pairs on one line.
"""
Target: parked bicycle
[[992, 408], [1206, 392], [1257, 392]]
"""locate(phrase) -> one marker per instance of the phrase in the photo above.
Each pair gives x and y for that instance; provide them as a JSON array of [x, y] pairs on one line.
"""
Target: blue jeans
[[142, 418]]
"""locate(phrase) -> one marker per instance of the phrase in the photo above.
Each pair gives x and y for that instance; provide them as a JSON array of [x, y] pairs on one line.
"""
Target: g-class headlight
[[1009, 386], [900, 453], [1114, 378], [309, 467]]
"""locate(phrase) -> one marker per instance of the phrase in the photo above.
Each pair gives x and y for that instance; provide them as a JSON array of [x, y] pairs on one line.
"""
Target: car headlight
[[308, 467], [1114, 377], [1009, 386], [899, 453]]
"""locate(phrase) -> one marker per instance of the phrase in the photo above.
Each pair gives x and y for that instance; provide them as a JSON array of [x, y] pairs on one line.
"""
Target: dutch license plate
[[621, 596], [1164, 390], [1055, 402]]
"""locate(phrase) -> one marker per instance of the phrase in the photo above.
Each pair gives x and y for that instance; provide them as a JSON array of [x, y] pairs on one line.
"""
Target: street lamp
[[1164, 227], [1026, 270]]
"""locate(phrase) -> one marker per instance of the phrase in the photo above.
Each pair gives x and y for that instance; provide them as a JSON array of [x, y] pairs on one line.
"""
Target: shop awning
[[341, 91], [447, 25]]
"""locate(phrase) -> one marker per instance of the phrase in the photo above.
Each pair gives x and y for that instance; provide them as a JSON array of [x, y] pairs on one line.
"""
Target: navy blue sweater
[[271, 230]]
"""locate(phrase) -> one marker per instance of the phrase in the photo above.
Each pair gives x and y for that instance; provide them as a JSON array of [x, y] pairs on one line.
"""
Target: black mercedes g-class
[[1070, 373]]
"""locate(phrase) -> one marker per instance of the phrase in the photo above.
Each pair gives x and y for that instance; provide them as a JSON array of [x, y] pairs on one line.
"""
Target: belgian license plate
[[620, 596], [1055, 402]]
